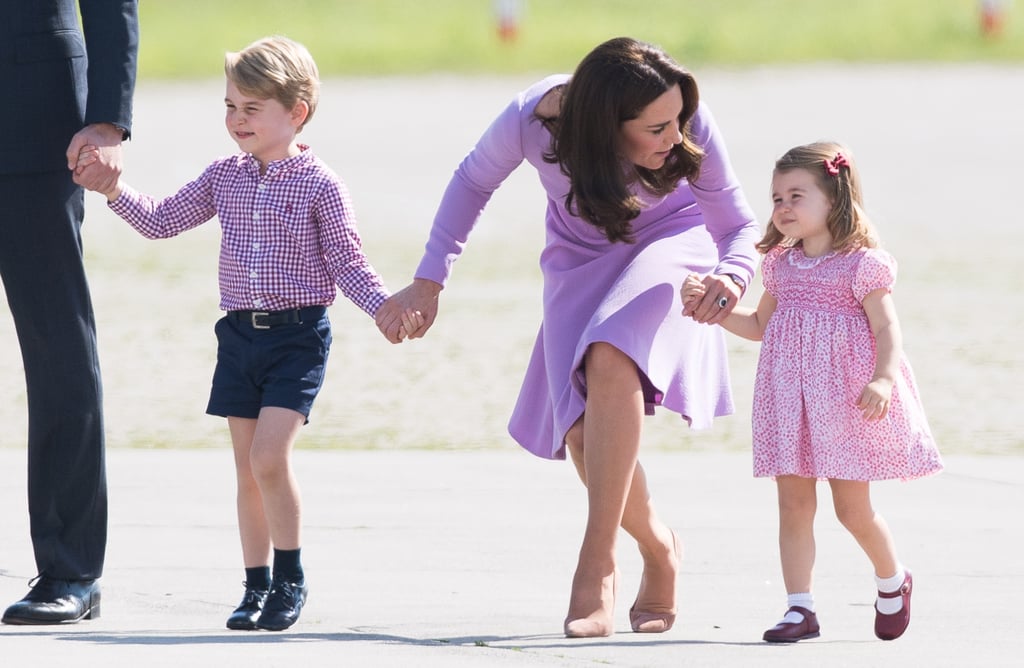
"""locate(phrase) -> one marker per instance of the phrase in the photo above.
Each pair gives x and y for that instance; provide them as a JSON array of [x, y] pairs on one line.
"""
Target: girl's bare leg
[[852, 500], [798, 503], [797, 506]]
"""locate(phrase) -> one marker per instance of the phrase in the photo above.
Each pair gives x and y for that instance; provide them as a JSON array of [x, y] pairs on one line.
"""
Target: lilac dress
[[817, 354], [594, 290]]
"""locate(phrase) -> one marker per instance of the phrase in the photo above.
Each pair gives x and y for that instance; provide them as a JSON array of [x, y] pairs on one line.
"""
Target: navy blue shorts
[[276, 359]]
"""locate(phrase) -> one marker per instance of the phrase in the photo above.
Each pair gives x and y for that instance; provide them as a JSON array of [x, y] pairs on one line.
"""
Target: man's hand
[[102, 174]]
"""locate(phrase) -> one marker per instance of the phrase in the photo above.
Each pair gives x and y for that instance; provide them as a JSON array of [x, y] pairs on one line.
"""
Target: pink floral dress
[[817, 354]]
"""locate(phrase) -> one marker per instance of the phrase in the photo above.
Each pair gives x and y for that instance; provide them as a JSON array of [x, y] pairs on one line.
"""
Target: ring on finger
[[722, 302]]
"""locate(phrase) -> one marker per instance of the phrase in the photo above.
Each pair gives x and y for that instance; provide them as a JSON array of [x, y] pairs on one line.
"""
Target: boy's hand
[[88, 155], [411, 321], [97, 179], [419, 297], [102, 174]]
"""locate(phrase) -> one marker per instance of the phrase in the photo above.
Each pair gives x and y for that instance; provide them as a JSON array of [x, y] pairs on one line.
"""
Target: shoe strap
[[904, 589]]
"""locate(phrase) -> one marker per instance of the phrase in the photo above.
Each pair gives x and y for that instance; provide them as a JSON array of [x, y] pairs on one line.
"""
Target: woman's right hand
[[421, 295]]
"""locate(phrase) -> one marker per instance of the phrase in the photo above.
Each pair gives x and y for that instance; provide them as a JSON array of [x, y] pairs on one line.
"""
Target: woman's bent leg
[[611, 431]]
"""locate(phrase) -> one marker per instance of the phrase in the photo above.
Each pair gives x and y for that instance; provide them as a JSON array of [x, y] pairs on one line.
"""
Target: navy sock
[[288, 565], [258, 577]]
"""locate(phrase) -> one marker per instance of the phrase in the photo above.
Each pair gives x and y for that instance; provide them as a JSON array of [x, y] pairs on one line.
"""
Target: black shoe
[[53, 601], [248, 611], [283, 606]]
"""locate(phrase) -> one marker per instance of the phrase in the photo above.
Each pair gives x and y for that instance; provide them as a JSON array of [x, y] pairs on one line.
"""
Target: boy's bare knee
[[267, 466]]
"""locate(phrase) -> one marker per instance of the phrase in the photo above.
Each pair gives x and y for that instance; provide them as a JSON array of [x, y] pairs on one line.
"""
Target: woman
[[640, 193]]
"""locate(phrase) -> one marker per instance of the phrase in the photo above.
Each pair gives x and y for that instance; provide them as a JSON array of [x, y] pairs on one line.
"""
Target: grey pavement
[[464, 558]]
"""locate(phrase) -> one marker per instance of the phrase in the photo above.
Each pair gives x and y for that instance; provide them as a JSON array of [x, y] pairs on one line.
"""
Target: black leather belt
[[268, 319]]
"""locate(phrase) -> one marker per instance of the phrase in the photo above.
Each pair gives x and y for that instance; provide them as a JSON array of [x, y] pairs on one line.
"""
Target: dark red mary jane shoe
[[792, 632], [890, 627]]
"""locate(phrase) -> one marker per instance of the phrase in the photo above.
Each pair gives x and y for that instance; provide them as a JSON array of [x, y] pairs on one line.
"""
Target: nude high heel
[[597, 624], [655, 621]]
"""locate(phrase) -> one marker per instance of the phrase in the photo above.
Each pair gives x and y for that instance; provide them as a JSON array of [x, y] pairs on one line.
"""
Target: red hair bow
[[832, 166]]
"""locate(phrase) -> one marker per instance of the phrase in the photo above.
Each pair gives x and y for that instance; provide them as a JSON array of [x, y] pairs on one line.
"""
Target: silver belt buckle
[[259, 314]]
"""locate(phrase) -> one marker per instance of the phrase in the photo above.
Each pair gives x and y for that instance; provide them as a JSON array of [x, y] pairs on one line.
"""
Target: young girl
[[834, 395], [288, 238]]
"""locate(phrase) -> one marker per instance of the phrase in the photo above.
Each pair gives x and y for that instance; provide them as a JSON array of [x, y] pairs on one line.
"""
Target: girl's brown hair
[[836, 174]]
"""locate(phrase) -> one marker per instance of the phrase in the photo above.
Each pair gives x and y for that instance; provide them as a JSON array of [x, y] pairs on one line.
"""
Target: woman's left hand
[[721, 294]]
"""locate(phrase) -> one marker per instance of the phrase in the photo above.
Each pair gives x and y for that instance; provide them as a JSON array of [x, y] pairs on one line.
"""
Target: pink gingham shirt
[[287, 237]]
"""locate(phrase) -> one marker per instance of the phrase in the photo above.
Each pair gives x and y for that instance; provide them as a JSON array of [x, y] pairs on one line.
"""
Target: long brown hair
[[613, 84], [836, 174]]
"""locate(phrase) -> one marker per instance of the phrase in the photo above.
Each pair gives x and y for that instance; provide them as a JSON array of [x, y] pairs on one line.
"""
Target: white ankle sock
[[890, 606], [804, 600]]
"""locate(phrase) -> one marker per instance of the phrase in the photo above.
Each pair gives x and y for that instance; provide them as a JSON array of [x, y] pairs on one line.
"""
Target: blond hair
[[276, 68], [836, 174]]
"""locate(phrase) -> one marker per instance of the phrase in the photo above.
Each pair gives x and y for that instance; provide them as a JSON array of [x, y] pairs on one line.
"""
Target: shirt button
[[262, 186], [255, 245], [257, 302], [256, 215], [252, 274]]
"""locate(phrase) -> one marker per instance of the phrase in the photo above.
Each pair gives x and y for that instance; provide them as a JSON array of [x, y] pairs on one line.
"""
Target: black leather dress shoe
[[248, 611], [283, 606], [52, 601]]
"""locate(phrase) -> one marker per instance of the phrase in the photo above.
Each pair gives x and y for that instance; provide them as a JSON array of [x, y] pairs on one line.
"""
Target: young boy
[[288, 238]]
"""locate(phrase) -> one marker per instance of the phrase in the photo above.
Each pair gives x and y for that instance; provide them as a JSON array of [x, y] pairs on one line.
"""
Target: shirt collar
[[277, 167]]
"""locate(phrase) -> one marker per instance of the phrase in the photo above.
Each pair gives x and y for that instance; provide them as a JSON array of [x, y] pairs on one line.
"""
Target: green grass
[[187, 38]]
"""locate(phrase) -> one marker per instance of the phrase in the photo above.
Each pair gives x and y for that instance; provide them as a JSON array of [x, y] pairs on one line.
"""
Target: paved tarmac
[[464, 558]]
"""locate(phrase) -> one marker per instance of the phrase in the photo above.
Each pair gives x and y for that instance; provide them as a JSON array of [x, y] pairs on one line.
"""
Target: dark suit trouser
[[44, 278]]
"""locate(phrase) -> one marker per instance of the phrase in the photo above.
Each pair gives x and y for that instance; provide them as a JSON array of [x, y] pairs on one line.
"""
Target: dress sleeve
[[876, 269], [496, 155], [727, 214], [771, 261]]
